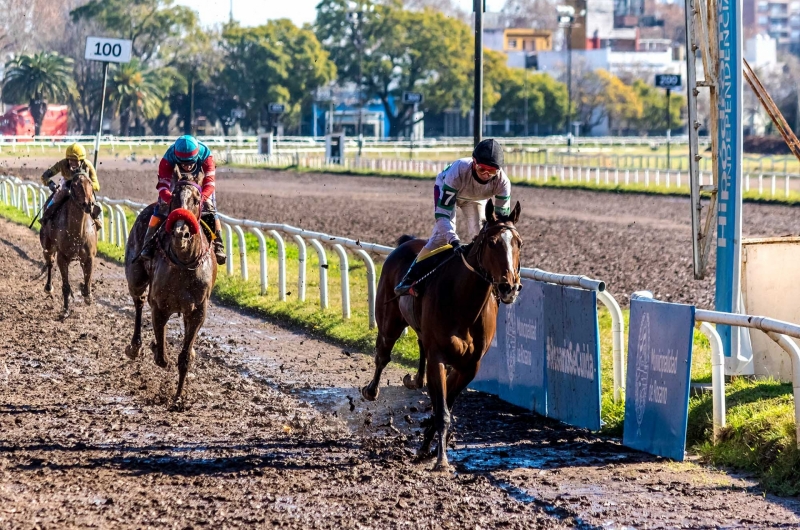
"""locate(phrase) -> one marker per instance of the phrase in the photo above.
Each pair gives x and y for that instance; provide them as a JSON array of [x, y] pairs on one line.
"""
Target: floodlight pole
[[479, 7], [102, 111]]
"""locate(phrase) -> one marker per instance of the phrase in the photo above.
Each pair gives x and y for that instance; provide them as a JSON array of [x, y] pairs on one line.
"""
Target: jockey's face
[[186, 166], [74, 163]]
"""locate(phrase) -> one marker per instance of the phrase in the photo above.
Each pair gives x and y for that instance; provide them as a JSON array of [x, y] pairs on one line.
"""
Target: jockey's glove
[[53, 186], [457, 246]]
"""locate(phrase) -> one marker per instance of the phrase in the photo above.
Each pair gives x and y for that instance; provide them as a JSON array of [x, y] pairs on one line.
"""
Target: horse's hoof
[[48, 289], [442, 466], [409, 382], [369, 396], [65, 314], [132, 352], [161, 363], [88, 299]]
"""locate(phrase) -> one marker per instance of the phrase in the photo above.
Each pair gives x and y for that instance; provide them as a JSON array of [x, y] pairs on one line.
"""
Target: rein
[[480, 271]]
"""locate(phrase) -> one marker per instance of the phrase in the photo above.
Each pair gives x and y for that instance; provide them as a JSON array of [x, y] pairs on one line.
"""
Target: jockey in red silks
[[194, 158]]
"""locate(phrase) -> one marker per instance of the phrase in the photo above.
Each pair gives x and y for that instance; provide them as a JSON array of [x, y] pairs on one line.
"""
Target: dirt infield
[[274, 435], [631, 241]]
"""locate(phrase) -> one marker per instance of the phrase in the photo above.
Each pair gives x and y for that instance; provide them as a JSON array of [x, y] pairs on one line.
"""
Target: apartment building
[[780, 19]]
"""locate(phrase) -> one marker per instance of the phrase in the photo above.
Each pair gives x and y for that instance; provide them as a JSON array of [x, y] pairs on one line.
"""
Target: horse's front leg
[[437, 389], [192, 321], [135, 347], [48, 265], [66, 290], [160, 318], [87, 264]]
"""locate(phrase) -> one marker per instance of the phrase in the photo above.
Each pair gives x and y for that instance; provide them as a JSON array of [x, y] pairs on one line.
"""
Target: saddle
[[430, 264]]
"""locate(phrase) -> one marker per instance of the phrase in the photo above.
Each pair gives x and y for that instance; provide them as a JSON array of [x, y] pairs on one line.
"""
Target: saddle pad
[[425, 255]]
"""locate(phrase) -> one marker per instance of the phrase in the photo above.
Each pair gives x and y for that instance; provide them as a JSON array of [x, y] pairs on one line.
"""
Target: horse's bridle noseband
[[87, 208], [480, 245]]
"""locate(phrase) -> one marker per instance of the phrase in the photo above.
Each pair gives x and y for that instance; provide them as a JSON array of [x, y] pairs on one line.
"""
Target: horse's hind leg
[[437, 389], [66, 290], [383, 354], [191, 325], [419, 380]]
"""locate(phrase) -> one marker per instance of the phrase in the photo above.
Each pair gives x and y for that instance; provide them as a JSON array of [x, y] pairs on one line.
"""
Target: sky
[[256, 12]]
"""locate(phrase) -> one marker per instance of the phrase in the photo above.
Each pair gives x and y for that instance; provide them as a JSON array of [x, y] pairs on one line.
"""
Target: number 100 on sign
[[108, 50]]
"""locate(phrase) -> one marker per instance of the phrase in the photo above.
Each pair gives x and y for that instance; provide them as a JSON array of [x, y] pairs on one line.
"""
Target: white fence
[[29, 197], [772, 185]]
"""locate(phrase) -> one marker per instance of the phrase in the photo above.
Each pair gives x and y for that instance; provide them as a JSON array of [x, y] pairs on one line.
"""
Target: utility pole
[[479, 6], [525, 91], [566, 19]]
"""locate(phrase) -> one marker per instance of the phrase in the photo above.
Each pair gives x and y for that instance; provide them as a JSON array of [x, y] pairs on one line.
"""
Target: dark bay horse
[[455, 319], [71, 235], [180, 277]]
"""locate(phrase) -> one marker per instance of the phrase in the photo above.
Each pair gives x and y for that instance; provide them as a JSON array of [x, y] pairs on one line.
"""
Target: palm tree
[[138, 93], [35, 79]]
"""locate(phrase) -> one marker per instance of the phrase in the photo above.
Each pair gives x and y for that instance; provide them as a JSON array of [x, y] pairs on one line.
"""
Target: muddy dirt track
[[274, 435], [631, 241]]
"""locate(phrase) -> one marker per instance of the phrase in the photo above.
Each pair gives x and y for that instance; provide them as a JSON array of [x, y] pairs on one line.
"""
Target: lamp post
[[479, 7], [566, 19]]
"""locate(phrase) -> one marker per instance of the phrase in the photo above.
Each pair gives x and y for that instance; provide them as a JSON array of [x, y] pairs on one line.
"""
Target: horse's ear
[[515, 213], [490, 215]]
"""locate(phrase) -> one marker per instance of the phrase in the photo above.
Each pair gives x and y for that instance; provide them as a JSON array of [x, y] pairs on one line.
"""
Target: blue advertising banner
[[572, 343], [522, 381], [659, 371], [546, 354], [513, 368], [729, 170]]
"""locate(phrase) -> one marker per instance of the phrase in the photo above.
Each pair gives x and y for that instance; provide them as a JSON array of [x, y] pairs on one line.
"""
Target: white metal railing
[[778, 184], [777, 330], [15, 192]]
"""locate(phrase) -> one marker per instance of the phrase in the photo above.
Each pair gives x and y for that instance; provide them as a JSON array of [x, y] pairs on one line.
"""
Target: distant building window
[[512, 44], [763, 20]]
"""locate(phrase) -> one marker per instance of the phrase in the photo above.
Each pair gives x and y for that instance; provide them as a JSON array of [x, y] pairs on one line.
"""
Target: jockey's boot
[[149, 246], [417, 270], [219, 248], [98, 223]]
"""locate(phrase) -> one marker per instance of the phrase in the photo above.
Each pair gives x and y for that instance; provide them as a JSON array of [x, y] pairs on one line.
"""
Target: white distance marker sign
[[108, 50]]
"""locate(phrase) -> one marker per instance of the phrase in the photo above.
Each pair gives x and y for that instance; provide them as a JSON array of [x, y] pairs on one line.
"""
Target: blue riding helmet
[[187, 149]]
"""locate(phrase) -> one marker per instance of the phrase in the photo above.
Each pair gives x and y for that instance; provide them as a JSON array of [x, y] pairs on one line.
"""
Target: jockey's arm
[[52, 172], [165, 169], [502, 195], [92, 175], [447, 197], [209, 179]]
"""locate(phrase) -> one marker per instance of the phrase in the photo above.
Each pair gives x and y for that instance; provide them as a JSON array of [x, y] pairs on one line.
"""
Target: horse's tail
[[404, 239]]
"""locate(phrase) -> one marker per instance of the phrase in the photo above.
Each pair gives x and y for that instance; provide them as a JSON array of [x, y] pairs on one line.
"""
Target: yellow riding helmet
[[77, 152]]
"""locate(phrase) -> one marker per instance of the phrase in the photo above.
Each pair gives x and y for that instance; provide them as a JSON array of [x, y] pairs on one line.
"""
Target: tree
[[421, 51], [449, 8], [152, 25], [598, 95], [546, 101], [274, 63], [35, 79], [139, 93], [654, 108]]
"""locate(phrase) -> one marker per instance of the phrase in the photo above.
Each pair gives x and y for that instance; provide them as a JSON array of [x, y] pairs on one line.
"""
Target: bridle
[[479, 246], [205, 250], [86, 207]]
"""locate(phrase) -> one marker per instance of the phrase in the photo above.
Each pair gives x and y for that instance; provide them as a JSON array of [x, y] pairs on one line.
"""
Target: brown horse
[[71, 235], [455, 318], [180, 277]]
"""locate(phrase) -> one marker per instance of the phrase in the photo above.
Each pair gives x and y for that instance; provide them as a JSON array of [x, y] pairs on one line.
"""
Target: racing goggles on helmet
[[483, 169]]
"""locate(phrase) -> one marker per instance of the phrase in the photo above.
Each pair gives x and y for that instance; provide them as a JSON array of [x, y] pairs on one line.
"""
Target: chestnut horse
[[180, 276], [71, 235], [455, 319]]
